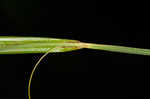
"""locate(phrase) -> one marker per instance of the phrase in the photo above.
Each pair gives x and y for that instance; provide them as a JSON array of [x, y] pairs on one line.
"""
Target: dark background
[[83, 73]]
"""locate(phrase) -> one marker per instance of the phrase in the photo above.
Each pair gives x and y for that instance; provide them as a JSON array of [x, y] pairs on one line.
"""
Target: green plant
[[26, 45]]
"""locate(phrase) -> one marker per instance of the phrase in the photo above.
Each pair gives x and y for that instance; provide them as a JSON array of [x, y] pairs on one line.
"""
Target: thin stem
[[32, 73]]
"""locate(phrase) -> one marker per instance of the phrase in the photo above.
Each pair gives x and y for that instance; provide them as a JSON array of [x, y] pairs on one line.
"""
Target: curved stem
[[32, 73]]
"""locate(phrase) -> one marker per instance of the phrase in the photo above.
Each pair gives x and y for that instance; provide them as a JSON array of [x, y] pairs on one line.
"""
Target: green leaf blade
[[23, 45], [121, 49]]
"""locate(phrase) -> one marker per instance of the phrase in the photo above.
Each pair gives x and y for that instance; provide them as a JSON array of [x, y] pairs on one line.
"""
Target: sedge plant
[[26, 45]]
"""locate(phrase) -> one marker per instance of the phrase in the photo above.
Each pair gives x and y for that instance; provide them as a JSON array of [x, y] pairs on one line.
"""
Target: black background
[[83, 73]]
